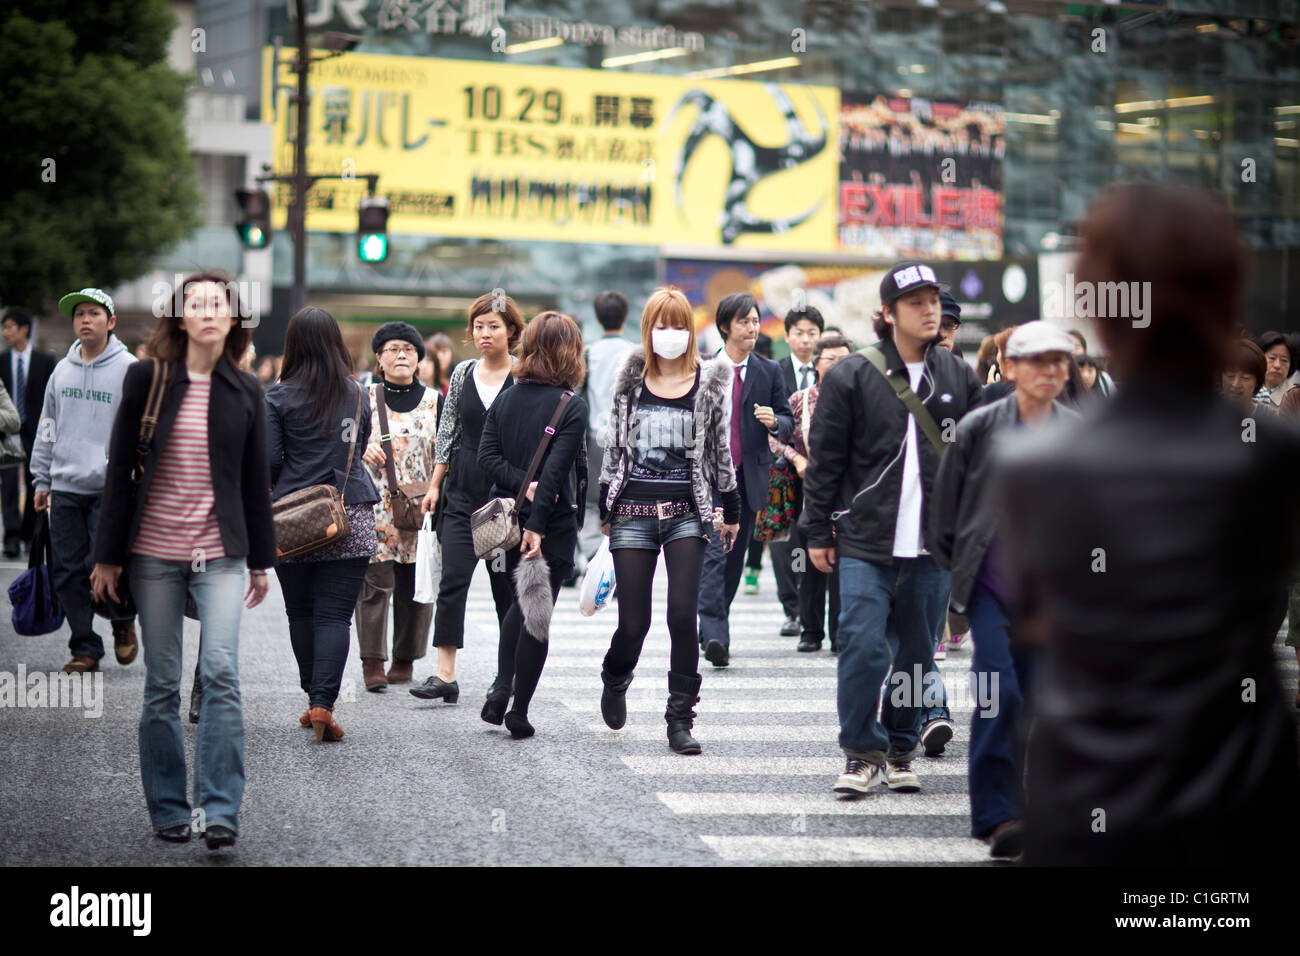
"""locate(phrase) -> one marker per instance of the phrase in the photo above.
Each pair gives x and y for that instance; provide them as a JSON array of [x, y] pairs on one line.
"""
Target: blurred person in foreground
[[1144, 547]]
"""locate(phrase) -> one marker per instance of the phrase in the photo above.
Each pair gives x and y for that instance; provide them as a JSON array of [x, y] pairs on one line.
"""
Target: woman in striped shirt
[[189, 515]]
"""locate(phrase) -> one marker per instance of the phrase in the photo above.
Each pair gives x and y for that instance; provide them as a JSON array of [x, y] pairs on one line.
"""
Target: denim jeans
[[888, 616], [319, 598], [650, 533], [940, 710], [996, 746], [74, 519], [159, 588]]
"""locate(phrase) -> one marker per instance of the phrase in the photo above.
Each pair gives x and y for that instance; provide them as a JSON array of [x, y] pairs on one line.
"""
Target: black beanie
[[397, 330]]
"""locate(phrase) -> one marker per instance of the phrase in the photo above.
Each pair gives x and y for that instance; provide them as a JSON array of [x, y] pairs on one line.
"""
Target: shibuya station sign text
[[482, 18]]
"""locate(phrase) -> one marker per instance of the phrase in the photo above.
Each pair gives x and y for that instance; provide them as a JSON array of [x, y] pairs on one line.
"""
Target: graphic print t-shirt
[[663, 432]]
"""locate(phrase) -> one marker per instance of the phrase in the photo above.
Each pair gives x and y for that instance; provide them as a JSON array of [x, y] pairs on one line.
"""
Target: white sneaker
[[899, 776], [859, 776]]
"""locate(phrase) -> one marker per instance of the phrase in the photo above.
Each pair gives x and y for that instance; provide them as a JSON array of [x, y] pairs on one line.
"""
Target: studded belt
[[662, 510]]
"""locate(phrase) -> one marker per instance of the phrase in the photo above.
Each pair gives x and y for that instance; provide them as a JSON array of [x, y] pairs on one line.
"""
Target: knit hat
[[401, 332]]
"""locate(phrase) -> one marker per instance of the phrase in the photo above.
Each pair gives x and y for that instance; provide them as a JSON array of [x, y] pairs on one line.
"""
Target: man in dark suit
[[758, 409], [803, 327], [24, 370]]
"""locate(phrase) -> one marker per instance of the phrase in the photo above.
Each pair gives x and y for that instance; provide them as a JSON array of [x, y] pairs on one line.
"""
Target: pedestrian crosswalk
[[761, 790]]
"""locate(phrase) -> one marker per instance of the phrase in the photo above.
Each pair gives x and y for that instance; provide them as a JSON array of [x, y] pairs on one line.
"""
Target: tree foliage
[[96, 176]]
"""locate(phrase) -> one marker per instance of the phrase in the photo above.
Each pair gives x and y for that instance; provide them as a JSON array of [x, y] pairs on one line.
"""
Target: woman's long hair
[[550, 351], [317, 362]]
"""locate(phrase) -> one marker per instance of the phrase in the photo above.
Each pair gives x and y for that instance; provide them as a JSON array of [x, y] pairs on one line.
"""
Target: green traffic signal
[[252, 236], [372, 247]]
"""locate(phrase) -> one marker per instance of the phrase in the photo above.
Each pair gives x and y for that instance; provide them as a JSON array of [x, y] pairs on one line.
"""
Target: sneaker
[[935, 735], [791, 627], [125, 646], [957, 641], [899, 776], [859, 776], [751, 581], [81, 664], [941, 652]]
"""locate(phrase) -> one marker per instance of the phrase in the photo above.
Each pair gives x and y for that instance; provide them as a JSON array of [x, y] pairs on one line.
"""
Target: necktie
[[20, 391], [803, 378], [736, 389]]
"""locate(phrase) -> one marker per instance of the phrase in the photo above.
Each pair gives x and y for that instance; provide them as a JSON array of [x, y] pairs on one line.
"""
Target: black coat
[[236, 446], [857, 442], [1159, 700], [788, 376], [961, 519], [764, 385], [42, 367], [304, 453], [514, 427]]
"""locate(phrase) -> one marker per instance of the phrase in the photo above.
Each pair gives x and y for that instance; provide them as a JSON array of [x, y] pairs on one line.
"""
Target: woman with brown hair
[[194, 517], [550, 368], [495, 325]]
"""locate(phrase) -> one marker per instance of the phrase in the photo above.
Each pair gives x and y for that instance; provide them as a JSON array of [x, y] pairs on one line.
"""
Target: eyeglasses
[[398, 350]]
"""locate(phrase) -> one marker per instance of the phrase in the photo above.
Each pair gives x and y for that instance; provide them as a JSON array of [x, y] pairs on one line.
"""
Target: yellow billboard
[[472, 148]]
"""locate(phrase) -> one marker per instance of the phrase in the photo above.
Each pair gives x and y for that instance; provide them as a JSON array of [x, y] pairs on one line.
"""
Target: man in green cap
[[69, 459]]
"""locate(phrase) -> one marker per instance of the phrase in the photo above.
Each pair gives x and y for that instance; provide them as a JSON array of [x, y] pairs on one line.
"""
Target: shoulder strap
[[908, 397], [806, 422], [386, 439], [352, 446], [541, 448], [149, 418]]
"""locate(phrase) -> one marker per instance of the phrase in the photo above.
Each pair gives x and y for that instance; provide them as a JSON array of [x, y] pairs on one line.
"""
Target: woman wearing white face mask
[[668, 451]]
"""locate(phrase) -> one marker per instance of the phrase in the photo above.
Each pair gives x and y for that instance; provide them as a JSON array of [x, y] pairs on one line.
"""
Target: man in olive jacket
[[864, 494]]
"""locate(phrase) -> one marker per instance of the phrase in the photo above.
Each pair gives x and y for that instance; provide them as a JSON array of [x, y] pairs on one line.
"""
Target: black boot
[[498, 697], [683, 693], [196, 698], [613, 701]]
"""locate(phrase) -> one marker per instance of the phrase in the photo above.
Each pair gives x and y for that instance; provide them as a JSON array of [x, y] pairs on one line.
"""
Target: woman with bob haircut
[[669, 452], [550, 368]]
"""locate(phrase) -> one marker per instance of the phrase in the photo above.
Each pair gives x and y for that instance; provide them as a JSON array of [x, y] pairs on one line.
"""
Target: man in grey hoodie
[[69, 459]]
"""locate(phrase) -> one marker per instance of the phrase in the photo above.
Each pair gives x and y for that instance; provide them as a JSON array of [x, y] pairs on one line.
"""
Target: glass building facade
[[1196, 91]]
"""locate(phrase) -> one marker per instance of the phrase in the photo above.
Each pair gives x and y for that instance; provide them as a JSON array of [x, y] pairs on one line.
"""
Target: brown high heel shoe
[[305, 719], [326, 727]]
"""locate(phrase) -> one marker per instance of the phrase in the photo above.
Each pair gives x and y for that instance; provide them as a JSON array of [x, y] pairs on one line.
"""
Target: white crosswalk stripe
[[768, 719]]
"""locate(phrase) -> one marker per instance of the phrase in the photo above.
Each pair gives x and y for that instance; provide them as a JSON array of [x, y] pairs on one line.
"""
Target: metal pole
[[298, 211]]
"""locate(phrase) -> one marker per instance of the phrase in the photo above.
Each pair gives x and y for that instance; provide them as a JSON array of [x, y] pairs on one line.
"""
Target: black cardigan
[[241, 480], [514, 427]]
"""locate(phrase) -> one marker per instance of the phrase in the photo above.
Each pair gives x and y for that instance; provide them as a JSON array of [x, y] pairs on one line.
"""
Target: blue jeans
[[74, 518], [996, 748], [319, 598], [159, 588], [940, 710], [888, 616], [649, 533]]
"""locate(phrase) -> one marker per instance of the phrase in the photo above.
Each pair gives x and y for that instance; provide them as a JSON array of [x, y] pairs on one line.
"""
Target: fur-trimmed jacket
[[710, 453]]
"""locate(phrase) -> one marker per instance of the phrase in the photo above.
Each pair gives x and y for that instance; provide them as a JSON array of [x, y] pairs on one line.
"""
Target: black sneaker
[[716, 654], [935, 736]]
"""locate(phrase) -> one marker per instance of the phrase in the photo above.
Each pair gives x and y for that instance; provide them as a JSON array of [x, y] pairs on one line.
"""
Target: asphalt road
[[416, 783]]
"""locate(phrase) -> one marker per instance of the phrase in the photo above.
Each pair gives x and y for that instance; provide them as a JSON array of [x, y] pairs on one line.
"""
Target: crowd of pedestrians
[[916, 496]]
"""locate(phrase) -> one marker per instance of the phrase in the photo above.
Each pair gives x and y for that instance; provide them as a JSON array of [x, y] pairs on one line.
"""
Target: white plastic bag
[[598, 582], [428, 562]]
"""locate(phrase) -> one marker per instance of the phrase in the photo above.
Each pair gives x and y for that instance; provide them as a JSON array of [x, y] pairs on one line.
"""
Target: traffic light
[[254, 226], [372, 229]]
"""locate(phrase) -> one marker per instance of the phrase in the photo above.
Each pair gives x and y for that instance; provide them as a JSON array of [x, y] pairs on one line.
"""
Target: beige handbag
[[496, 524]]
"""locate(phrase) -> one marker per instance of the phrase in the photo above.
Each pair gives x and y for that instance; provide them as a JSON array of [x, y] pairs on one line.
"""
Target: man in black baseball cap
[[949, 320]]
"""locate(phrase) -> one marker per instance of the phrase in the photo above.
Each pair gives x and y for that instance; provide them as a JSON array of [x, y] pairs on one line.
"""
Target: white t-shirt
[[907, 532], [486, 393]]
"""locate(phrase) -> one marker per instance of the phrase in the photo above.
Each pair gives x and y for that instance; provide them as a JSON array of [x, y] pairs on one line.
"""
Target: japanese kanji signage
[[921, 179], [474, 148]]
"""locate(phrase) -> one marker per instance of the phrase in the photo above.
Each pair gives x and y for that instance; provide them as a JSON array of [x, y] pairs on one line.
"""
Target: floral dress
[[414, 433]]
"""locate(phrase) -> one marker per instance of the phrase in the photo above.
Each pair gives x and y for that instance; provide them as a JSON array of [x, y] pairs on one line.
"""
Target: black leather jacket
[[855, 475], [961, 517], [1152, 542]]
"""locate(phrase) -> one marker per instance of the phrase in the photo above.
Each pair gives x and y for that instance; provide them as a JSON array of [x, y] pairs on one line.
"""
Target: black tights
[[520, 655], [634, 570]]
